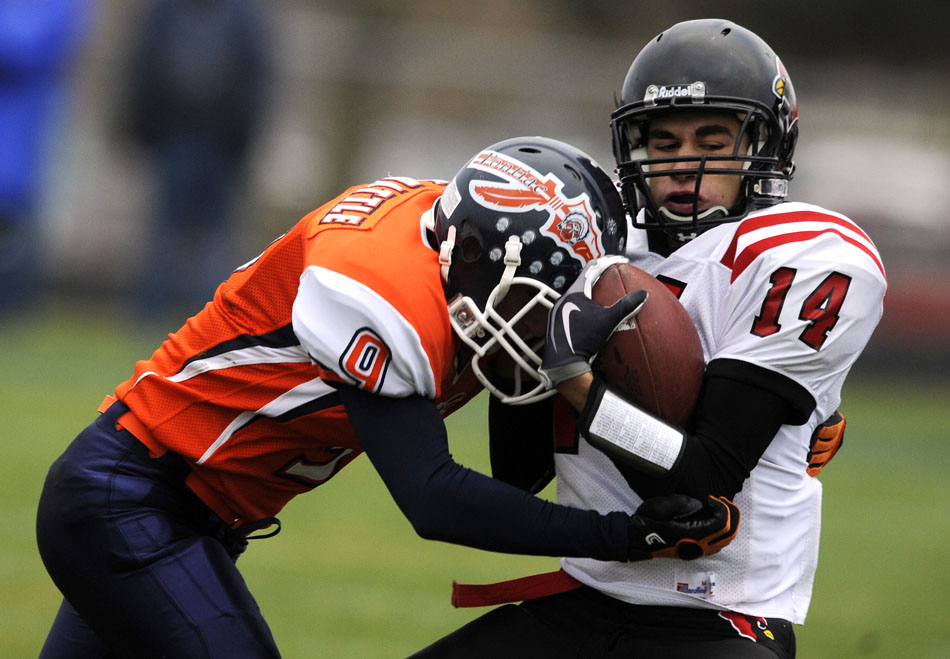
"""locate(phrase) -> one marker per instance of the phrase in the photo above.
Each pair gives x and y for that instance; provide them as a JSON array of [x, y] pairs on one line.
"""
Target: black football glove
[[578, 327], [825, 442], [679, 526]]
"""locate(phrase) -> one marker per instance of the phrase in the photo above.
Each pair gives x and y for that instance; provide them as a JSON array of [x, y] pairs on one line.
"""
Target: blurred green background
[[347, 577], [366, 88]]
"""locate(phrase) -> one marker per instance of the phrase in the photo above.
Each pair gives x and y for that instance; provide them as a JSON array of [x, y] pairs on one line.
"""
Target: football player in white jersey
[[785, 296]]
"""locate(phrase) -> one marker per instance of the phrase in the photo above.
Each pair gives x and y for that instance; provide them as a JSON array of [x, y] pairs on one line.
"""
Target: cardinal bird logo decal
[[782, 88], [522, 189]]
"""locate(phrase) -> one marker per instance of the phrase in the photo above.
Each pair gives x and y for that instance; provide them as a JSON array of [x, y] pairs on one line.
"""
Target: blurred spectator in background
[[38, 42], [196, 91]]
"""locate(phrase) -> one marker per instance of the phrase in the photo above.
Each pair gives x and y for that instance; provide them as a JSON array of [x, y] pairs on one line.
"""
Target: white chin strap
[[675, 217], [445, 254], [512, 261]]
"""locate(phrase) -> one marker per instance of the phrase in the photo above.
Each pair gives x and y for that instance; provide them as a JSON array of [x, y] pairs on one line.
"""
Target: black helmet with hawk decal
[[523, 215]]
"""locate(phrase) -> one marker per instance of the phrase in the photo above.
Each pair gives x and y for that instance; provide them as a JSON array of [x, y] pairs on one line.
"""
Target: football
[[655, 358]]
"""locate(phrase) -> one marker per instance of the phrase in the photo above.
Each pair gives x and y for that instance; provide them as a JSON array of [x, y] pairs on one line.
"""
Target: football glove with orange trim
[[679, 526], [825, 442]]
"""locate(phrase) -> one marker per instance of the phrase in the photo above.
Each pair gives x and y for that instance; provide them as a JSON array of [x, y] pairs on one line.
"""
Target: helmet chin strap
[[674, 217], [512, 261], [445, 254], [675, 220]]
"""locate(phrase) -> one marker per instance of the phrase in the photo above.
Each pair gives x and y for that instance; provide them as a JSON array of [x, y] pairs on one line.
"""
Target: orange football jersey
[[351, 294]]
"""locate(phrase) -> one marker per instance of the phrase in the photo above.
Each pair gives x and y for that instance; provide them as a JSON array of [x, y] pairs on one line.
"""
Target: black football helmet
[[706, 65], [520, 221]]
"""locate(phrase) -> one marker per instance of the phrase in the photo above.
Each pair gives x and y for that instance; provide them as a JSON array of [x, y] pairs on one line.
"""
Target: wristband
[[625, 432]]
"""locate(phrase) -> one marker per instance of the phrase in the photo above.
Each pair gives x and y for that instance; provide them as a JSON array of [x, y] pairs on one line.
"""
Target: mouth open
[[682, 203]]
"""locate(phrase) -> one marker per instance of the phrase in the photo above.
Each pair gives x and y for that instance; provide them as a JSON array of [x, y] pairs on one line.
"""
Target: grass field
[[347, 577]]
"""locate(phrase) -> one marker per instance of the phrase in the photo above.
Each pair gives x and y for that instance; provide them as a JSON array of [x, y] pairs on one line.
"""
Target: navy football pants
[[145, 568]]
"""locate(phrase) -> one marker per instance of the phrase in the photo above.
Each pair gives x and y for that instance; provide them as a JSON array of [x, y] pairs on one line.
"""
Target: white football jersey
[[795, 289]]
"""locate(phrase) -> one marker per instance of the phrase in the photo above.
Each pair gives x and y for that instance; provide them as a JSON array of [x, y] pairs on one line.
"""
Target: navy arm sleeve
[[740, 410], [406, 440]]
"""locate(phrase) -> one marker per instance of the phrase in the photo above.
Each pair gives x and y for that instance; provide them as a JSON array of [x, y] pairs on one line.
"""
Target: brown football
[[656, 358]]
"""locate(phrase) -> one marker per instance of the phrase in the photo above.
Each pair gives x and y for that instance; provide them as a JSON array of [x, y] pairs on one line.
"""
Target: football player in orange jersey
[[371, 319]]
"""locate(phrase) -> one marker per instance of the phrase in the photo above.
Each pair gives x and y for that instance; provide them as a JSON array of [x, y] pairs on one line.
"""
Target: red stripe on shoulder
[[739, 261]]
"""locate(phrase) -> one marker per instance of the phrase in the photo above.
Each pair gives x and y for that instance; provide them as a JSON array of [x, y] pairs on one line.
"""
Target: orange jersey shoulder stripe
[[397, 264]]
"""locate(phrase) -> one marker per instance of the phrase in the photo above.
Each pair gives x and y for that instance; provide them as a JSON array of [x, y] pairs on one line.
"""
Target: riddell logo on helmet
[[674, 92], [695, 92], [523, 189]]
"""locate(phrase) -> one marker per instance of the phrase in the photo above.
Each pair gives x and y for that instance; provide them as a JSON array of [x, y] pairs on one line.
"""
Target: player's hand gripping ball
[[655, 358], [579, 325]]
